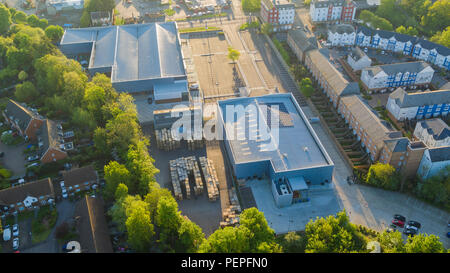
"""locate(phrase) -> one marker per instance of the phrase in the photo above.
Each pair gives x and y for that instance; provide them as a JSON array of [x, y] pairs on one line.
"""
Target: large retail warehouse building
[[138, 57], [299, 159]]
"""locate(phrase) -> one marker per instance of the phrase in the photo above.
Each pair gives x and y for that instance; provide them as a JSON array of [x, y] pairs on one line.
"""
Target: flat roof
[[134, 52], [298, 145]]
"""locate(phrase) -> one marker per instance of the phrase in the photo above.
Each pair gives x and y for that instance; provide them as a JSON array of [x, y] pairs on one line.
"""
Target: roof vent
[[305, 149], [285, 155]]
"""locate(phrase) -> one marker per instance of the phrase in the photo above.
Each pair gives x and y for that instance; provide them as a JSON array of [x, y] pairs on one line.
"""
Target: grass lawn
[[206, 16], [25, 215], [40, 236]]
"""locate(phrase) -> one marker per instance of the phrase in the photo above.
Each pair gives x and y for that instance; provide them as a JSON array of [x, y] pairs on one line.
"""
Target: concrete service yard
[[282, 220]]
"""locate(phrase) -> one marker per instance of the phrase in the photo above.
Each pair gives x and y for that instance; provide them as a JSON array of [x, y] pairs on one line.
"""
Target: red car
[[399, 220]]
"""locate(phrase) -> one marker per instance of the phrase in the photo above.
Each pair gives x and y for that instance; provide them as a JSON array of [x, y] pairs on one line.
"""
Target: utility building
[[138, 57], [292, 156]]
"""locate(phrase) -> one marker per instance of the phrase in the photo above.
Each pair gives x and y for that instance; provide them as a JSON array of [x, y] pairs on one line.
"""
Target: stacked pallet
[[183, 177], [231, 213], [210, 176], [175, 181], [165, 141], [192, 166], [195, 144]]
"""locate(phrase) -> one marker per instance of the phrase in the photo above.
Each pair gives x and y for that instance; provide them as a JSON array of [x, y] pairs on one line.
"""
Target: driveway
[[65, 212], [14, 159]]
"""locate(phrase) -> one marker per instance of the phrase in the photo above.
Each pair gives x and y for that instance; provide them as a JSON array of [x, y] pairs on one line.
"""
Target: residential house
[[51, 142], [332, 10], [433, 161], [80, 179], [329, 78], [403, 155], [25, 120], [366, 125], [57, 6], [26, 196], [92, 226], [407, 45], [403, 105], [433, 132], [358, 60], [341, 35], [299, 42], [433, 53], [279, 13], [381, 77]]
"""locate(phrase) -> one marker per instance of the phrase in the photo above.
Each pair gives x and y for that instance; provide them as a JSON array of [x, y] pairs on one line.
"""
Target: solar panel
[[280, 112]]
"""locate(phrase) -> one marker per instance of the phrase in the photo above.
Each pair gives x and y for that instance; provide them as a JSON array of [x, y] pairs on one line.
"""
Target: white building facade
[[332, 10], [358, 60], [433, 161], [341, 35], [395, 75], [433, 132]]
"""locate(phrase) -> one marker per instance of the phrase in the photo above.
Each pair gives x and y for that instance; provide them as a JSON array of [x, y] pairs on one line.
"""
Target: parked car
[[64, 193], [2, 154], [16, 243], [7, 132], [62, 184], [399, 220], [412, 228], [6, 233], [15, 230], [33, 158], [33, 165]]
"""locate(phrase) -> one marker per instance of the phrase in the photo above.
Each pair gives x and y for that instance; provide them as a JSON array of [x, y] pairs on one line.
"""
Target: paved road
[[14, 159]]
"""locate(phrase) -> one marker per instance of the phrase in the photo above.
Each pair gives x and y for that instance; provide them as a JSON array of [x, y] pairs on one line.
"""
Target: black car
[[400, 217], [2, 154], [414, 224]]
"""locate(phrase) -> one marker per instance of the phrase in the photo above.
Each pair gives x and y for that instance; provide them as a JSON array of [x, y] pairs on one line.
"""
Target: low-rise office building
[[418, 105], [270, 136], [433, 132], [382, 77]]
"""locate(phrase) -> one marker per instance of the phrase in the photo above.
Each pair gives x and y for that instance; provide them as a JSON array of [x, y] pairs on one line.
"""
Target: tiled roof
[[79, 176], [390, 69], [35, 189], [436, 127], [20, 113]]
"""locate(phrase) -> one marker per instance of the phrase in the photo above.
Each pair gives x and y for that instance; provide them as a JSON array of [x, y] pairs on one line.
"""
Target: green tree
[[94, 99], [256, 223], [33, 20], [54, 33], [22, 75], [83, 119], [190, 236], [293, 243], [26, 92], [118, 211], [333, 235], [306, 87], [43, 23], [233, 54], [227, 240], [442, 38], [391, 242], [168, 219], [152, 198], [251, 5], [266, 28], [384, 176], [5, 19], [121, 192], [140, 229], [423, 243], [115, 174], [437, 17], [20, 17]]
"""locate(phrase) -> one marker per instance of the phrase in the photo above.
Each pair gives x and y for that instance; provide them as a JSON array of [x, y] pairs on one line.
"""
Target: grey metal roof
[[341, 28], [436, 127], [293, 137], [365, 30], [397, 145], [368, 120], [335, 79], [134, 52], [390, 69], [325, 3], [439, 154], [404, 99], [356, 53], [443, 50], [301, 40]]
